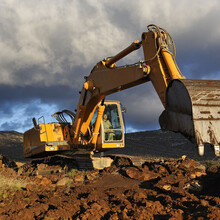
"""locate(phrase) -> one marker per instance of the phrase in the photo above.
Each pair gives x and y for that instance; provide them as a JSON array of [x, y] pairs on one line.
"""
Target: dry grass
[[74, 172], [209, 163], [10, 185]]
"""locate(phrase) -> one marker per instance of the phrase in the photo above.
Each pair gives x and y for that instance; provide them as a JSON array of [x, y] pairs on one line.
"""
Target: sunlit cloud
[[52, 45]]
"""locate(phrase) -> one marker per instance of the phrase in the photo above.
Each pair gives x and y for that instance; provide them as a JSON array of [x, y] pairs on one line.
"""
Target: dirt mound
[[160, 189]]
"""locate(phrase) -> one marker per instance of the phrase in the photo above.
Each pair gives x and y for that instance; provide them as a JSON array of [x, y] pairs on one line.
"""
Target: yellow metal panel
[[31, 138], [101, 109], [172, 68], [51, 132], [57, 148], [113, 145]]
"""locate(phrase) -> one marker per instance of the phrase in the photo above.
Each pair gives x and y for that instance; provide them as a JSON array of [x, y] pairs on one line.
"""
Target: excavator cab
[[112, 128]]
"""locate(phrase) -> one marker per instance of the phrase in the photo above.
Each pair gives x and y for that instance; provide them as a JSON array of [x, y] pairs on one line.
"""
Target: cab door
[[112, 128]]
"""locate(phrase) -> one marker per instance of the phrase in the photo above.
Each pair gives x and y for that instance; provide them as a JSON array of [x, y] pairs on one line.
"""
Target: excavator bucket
[[193, 109]]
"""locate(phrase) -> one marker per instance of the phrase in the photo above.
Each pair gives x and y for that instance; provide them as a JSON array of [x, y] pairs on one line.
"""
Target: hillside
[[156, 143], [11, 144]]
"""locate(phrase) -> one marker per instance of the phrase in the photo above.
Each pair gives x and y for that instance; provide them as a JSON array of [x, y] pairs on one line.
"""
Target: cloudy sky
[[47, 47]]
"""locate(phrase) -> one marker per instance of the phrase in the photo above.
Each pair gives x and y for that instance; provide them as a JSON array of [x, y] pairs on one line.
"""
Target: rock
[[139, 196], [204, 202], [184, 157], [179, 174], [192, 175], [95, 171], [96, 206], [79, 178], [121, 161], [1, 163], [167, 187], [64, 182], [111, 169], [94, 174], [188, 164], [149, 175], [39, 177], [19, 164], [30, 187], [6, 163], [134, 173], [123, 215], [162, 170], [145, 168], [91, 177], [217, 200], [137, 174], [212, 169], [20, 171], [45, 182], [194, 186], [42, 169], [54, 178], [41, 166], [201, 167], [114, 216], [176, 214], [197, 174]]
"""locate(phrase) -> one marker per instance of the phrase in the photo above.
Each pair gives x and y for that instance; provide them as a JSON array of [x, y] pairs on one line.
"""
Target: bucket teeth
[[217, 150], [193, 109], [201, 150]]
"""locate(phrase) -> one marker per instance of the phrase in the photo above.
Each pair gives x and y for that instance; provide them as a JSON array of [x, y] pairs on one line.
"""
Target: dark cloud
[[201, 63], [59, 95], [10, 126], [47, 49]]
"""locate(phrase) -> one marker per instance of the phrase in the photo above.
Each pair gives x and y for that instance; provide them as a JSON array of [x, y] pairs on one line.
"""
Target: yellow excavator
[[192, 107]]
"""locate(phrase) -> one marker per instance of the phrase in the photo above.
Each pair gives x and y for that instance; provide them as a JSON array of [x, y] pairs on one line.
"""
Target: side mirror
[[123, 109]]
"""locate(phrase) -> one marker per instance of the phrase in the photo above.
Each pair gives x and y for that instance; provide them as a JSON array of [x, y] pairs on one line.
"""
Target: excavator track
[[193, 109], [56, 164], [61, 164]]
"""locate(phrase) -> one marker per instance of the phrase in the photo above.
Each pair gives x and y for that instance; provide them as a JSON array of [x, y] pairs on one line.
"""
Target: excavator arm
[[101, 82], [106, 78]]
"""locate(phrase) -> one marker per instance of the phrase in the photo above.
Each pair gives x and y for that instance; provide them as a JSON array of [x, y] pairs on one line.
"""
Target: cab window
[[111, 123]]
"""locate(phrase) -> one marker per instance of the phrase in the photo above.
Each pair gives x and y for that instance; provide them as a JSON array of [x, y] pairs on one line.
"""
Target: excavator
[[191, 106]]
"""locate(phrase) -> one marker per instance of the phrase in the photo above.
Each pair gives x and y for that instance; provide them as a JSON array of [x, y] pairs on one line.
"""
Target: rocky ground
[[157, 188]]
